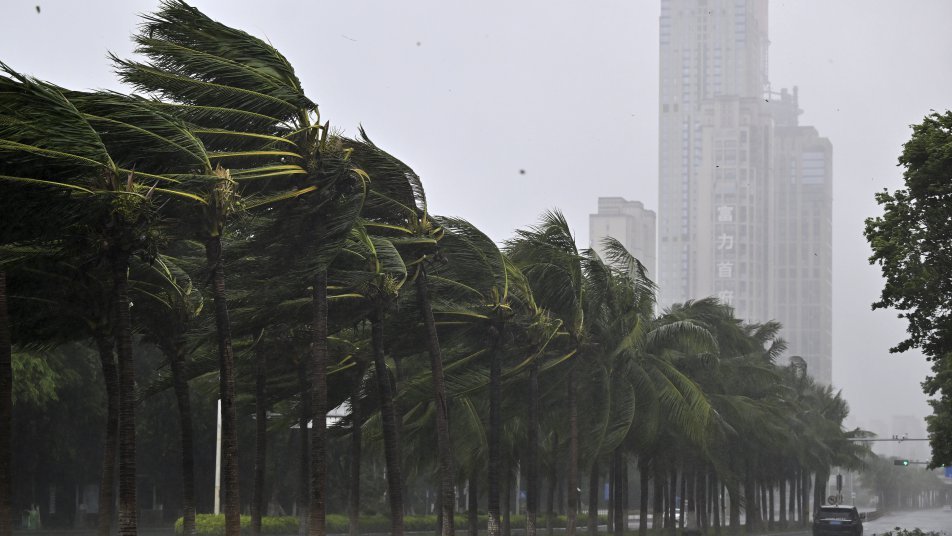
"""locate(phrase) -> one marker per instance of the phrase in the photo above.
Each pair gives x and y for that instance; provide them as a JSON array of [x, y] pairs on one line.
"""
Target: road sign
[[948, 472]]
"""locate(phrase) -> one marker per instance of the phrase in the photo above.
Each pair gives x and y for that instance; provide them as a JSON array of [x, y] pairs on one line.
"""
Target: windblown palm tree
[[115, 155], [548, 256], [396, 209], [243, 98], [376, 281]]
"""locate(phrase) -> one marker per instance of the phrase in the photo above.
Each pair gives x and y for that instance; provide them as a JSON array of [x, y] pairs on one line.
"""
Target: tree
[[548, 256], [169, 307], [396, 207], [116, 155], [478, 271], [910, 243], [6, 415], [243, 98]]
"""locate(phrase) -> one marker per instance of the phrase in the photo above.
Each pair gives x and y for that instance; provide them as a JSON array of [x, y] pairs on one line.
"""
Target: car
[[837, 520], [947, 508]]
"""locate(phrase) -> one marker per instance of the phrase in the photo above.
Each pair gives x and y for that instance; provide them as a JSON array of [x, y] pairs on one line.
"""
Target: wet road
[[927, 520]]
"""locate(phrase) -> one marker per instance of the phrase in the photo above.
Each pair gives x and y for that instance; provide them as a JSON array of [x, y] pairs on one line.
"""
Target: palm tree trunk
[[656, 511], [734, 492], [805, 494], [643, 488], [593, 499], [618, 494], [684, 495], [318, 406], [443, 445], [794, 497], [6, 414], [180, 382], [701, 499], [550, 497], [572, 490], [391, 440], [612, 486], [819, 488], [261, 439], [397, 375], [625, 490], [473, 506], [495, 431], [532, 461], [507, 511], [107, 483], [750, 501], [716, 501], [355, 453], [304, 480], [128, 515], [439, 514], [783, 502], [672, 500], [229, 418]]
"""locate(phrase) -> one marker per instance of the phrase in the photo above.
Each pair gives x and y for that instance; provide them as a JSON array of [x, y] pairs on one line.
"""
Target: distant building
[[629, 223], [745, 192], [800, 294]]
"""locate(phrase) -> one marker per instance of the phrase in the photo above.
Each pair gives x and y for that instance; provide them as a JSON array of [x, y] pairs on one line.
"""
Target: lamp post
[[218, 462]]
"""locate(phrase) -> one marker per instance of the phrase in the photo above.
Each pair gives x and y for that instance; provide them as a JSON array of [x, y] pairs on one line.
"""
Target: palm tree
[[548, 256], [245, 101], [88, 144], [396, 208], [6, 413], [61, 300], [170, 307], [377, 283], [479, 273]]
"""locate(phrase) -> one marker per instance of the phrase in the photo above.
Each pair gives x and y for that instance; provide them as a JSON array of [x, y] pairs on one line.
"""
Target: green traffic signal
[[901, 462]]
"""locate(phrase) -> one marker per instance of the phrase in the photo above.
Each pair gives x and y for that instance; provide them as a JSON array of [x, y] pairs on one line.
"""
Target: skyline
[[569, 94]]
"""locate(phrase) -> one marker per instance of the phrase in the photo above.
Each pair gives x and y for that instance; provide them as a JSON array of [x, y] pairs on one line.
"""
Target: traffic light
[[901, 462]]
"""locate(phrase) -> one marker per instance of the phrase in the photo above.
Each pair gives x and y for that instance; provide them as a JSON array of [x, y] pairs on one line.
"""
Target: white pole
[[518, 487], [218, 462]]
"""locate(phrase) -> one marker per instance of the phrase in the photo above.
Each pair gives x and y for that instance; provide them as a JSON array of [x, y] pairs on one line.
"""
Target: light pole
[[218, 462]]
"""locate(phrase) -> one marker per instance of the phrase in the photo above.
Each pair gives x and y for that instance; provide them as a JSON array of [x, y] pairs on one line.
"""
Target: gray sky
[[471, 93]]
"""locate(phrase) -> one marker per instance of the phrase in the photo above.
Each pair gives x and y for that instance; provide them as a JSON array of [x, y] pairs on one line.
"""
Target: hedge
[[214, 525]]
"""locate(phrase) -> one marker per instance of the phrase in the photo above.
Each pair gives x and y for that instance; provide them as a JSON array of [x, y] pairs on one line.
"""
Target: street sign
[[948, 472]]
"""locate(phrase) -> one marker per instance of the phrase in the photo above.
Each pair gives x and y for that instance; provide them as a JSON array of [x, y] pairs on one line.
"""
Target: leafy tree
[[910, 244]]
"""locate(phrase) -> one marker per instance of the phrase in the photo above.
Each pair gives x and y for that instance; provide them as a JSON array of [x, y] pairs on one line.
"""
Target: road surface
[[927, 520]]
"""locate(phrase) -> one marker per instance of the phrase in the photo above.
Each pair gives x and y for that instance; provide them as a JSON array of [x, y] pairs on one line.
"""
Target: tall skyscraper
[[736, 174], [800, 293], [629, 223]]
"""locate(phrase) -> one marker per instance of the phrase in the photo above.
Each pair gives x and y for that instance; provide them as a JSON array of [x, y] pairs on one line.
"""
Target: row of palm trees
[[218, 183]]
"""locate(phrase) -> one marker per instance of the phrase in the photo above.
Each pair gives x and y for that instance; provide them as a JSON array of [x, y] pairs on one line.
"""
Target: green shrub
[[214, 525], [914, 532]]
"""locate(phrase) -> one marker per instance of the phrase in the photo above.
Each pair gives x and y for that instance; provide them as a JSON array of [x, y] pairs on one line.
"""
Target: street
[[927, 520]]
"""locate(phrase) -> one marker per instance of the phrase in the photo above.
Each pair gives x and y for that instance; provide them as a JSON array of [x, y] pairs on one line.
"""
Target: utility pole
[[218, 462]]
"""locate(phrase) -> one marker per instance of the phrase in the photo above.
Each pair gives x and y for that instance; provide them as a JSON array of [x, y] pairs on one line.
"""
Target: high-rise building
[[744, 189], [629, 223], [800, 293]]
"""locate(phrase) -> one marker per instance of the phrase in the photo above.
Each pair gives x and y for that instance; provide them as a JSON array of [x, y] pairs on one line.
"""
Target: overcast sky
[[471, 93]]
